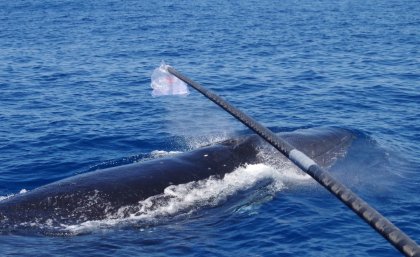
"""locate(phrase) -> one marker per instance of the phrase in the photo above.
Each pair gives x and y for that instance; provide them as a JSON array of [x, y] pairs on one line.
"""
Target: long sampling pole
[[371, 216]]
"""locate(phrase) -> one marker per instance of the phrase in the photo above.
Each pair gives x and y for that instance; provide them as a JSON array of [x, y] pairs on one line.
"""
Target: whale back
[[97, 194], [323, 145]]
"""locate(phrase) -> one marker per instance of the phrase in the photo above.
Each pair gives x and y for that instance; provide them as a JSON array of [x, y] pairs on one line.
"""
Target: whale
[[99, 194]]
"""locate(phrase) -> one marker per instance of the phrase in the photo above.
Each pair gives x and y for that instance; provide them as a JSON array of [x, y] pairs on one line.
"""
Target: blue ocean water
[[75, 95]]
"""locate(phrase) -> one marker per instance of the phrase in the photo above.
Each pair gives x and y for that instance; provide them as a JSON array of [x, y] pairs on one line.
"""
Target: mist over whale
[[117, 191]]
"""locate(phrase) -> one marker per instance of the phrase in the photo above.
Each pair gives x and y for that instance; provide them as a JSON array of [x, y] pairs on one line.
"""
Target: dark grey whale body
[[97, 194]]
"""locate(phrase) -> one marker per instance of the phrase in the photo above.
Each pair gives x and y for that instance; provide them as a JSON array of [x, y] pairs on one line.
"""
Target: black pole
[[382, 225]]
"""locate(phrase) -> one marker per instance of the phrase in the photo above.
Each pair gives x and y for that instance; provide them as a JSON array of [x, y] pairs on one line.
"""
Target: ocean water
[[75, 95]]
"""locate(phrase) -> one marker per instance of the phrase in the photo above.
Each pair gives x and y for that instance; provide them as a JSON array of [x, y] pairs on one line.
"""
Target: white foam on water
[[185, 199], [160, 153], [4, 197]]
